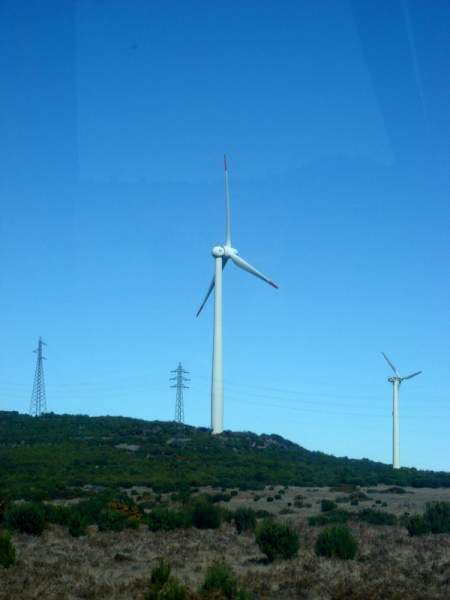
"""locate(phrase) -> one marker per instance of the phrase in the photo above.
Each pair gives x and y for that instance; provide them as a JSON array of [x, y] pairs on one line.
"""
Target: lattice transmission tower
[[179, 385], [38, 398]]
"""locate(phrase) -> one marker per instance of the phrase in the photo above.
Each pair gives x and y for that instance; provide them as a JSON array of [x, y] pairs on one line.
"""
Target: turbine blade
[[411, 376], [240, 262], [227, 205], [208, 294], [390, 364], [211, 287]]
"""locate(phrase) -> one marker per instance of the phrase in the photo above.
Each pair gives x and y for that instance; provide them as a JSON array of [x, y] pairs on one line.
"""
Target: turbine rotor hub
[[229, 251], [218, 251]]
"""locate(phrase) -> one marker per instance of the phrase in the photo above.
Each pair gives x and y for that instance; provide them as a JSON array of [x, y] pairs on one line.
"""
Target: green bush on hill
[[437, 516], [167, 519], [277, 540], [65, 453], [377, 517], [220, 582], [163, 586], [336, 541], [334, 516], [26, 517], [205, 515], [7, 550], [417, 525], [327, 505], [245, 519]]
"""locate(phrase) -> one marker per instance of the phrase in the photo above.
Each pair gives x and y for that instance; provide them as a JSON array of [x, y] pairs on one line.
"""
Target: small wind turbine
[[221, 256], [396, 381]]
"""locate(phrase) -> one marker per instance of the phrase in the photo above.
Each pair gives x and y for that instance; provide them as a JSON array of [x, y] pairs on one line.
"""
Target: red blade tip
[[273, 285]]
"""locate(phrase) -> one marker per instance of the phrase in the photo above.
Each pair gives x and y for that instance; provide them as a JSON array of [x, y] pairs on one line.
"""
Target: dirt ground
[[390, 565]]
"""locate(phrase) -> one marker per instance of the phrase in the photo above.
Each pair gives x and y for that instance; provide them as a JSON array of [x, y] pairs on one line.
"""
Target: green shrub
[[166, 519], [221, 582], [327, 505], [277, 540], [164, 587], [417, 525], [269, 499], [336, 541], [377, 517], [7, 550], [90, 509], [220, 498], [342, 499], [57, 514], [245, 519], [334, 516], [26, 518], [205, 515], [111, 520], [77, 524], [437, 516], [263, 514]]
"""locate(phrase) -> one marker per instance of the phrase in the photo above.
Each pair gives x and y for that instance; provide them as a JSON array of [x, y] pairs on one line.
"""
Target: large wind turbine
[[396, 381], [222, 254]]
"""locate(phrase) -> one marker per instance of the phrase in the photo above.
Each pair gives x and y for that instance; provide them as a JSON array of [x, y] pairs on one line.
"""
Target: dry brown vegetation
[[389, 566]]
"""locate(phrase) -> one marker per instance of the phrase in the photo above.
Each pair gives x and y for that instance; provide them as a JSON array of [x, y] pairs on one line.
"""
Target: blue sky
[[335, 117]]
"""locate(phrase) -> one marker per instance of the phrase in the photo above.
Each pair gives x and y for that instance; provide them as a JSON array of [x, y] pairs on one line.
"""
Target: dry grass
[[389, 566]]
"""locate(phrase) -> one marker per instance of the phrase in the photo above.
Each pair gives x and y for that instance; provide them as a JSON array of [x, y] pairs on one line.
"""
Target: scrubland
[[389, 565]]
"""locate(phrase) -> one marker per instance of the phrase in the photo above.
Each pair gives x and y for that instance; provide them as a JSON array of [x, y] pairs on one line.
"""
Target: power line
[[38, 403], [179, 385]]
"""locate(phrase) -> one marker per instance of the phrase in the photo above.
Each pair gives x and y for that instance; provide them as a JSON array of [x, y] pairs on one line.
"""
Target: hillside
[[55, 456]]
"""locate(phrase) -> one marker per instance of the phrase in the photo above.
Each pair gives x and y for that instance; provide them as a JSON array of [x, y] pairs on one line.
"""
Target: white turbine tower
[[222, 254], [396, 381]]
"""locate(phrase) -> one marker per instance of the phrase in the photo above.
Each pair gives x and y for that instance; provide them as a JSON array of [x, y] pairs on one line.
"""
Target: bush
[[7, 550], [26, 518], [111, 520], [205, 515], [334, 516], [163, 586], [277, 540], [417, 525], [377, 517], [166, 519], [245, 519], [342, 499], [57, 514], [77, 524], [220, 581], [263, 514], [327, 505], [336, 542], [437, 516], [220, 498]]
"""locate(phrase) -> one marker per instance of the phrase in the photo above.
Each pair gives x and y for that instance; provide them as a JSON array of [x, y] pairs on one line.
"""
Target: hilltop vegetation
[[55, 456]]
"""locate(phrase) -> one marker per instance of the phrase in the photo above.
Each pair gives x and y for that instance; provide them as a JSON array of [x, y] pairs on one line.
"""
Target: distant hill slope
[[56, 455]]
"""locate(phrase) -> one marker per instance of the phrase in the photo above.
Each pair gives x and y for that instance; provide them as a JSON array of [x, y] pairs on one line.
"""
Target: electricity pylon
[[180, 379], [38, 398]]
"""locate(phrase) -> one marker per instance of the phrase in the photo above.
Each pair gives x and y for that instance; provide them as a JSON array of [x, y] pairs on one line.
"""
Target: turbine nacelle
[[224, 250], [218, 251]]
